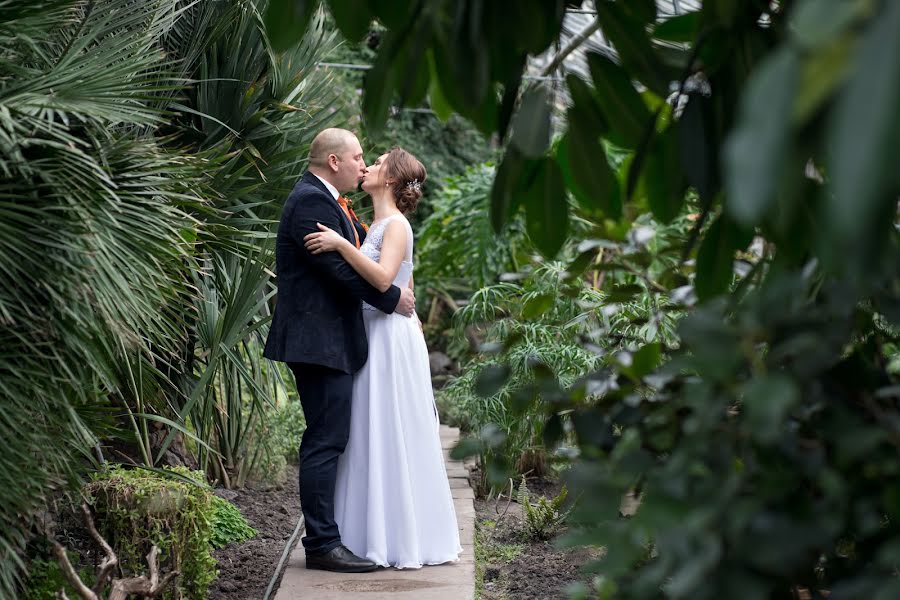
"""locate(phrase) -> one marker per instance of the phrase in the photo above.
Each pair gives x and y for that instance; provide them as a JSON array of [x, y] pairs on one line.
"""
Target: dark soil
[[246, 568], [539, 571]]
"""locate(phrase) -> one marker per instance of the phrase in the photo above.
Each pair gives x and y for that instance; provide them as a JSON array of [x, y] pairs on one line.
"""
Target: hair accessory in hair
[[415, 184]]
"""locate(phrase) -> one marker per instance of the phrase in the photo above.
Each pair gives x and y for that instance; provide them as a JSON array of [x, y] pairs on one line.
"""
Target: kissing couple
[[373, 486]]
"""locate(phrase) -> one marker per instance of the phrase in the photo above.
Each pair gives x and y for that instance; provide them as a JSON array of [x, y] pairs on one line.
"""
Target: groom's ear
[[333, 161]]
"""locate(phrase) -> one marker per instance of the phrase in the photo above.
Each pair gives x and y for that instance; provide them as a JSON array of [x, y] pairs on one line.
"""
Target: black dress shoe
[[340, 560]]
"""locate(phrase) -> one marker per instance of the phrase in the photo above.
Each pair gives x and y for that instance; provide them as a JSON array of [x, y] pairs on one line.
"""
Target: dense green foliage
[[46, 578], [762, 438], [280, 440], [228, 524], [146, 148]]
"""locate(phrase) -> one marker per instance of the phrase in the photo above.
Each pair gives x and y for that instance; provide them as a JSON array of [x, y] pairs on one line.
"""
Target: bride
[[392, 499]]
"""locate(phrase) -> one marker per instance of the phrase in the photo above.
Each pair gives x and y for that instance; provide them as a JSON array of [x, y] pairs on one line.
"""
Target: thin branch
[[574, 43], [69, 572]]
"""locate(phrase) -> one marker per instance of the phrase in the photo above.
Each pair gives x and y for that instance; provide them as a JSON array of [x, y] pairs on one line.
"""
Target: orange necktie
[[351, 216]]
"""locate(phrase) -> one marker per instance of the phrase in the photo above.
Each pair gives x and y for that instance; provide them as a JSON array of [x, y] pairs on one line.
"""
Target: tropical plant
[[542, 519], [765, 448], [142, 147], [94, 236], [458, 251]]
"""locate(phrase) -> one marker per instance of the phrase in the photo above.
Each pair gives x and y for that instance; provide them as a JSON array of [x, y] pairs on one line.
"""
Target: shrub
[[543, 519], [280, 440], [174, 511], [45, 579], [228, 524]]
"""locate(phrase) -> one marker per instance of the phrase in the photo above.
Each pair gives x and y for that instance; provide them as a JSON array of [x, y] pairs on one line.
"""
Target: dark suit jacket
[[318, 315]]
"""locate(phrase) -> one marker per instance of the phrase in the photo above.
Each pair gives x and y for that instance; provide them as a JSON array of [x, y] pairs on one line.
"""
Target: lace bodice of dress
[[372, 248]]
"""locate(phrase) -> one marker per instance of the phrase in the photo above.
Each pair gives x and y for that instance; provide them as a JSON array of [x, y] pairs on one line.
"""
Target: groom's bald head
[[336, 156], [330, 141]]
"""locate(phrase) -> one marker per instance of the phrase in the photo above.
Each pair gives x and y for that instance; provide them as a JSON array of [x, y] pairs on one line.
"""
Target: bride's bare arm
[[380, 274]]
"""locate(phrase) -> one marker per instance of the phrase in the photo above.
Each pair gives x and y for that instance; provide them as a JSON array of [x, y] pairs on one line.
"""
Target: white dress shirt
[[330, 187]]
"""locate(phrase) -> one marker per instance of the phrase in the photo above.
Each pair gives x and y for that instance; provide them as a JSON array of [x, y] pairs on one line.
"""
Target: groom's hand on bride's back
[[407, 304]]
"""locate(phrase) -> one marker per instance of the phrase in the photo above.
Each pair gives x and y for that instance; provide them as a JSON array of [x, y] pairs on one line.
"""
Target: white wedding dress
[[393, 503]]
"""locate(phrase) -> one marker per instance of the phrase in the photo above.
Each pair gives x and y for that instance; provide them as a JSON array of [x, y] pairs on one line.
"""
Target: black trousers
[[325, 397]]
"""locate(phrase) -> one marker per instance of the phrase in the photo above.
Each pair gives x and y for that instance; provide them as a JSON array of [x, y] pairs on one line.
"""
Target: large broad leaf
[[679, 29], [436, 99], [546, 208], [531, 126], [865, 131], [627, 34], [817, 22], [467, 53], [644, 361], [352, 17], [514, 177], [698, 147], [823, 72], [286, 20], [491, 380], [535, 23], [715, 259], [622, 106], [587, 173], [643, 11], [379, 86], [767, 402], [393, 13], [585, 106], [757, 150], [662, 179]]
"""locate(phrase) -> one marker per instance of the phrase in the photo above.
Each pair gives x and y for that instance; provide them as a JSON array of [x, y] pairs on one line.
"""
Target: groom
[[318, 330]]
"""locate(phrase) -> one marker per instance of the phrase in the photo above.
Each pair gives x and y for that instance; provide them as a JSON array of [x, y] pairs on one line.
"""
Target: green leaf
[[514, 176], [553, 430], [380, 85], [635, 51], [538, 305], [823, 72], [546, 208], [436, 99], [531, 125], [587, 173], [585, 107], [757, 150], [393, 13], [465, 448], [624, 293], [715, 259], [644, 361], [352, 17], [662, 179], [491, 380], [767, 402], [643, 11], [286, 20], [865, 132], [679, 29], [622, 106], [698, 147], [817, 22]]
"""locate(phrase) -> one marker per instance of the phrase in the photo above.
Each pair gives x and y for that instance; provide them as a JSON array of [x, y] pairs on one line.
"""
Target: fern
[[543, 519]]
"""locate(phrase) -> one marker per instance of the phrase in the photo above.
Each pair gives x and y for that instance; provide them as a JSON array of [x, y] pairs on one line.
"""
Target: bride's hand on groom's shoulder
[[326, 240]]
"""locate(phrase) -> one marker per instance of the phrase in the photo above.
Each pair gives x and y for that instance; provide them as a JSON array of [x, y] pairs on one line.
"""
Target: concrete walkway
[[454, 581]]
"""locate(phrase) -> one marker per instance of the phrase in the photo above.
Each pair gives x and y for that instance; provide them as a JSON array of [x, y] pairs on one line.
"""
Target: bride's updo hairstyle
[[408, 174]]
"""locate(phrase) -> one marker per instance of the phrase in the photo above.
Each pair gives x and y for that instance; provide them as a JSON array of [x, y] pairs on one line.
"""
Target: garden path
[[454, 581]]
